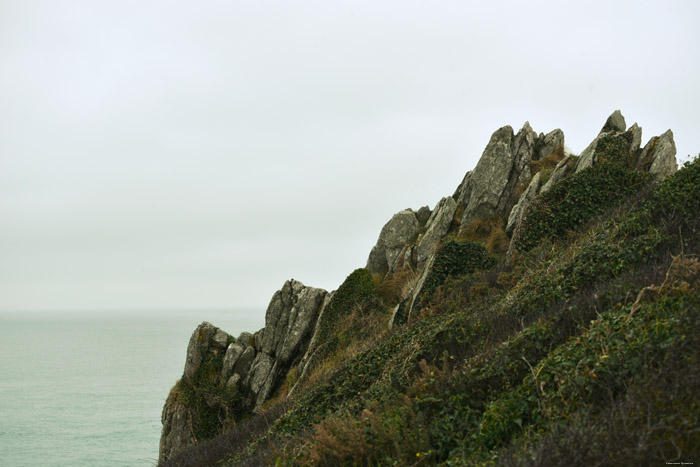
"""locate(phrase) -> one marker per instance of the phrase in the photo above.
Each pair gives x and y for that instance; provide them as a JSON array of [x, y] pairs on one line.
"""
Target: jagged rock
[[246, 339], [395, 234], [464, 190], [504, 165], [289, 320], [260, 372], [177, 429], [205, 338], [307, 361], [659, 156], [233, 353], [635, 132], [242, 365], [528, 195], [290, 317], [423, 214], [437, 227], [614, 123], [547, 144], [563, 168]]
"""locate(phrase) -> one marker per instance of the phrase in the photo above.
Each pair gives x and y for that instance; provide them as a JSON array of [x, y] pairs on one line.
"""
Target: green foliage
[[213, 408], [455, 258], [358, 295], [571, 355], [576, 200]]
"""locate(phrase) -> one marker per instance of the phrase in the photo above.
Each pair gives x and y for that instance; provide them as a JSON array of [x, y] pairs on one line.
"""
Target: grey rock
[[437, 227], [503, 167], [259, 372], [205, 338], [177, 430], [490, 177], [244, 362], [246, 339], [423, 214], [526, 198], [563, 168], [549, 143], [306, 363], [395, 234], [464, 190], [660, 152], [289, 319], [614, 123], [221, 339], [635, 136], [233, 353]]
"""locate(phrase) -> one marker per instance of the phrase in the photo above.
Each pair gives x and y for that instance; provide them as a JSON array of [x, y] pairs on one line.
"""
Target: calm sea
[[87, 389]]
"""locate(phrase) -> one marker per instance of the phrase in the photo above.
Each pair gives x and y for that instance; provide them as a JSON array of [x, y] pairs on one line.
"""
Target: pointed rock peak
[[615, 122], [502, 134]]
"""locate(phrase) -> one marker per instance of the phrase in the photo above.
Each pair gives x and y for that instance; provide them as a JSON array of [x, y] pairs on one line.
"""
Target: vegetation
[[582, 350]]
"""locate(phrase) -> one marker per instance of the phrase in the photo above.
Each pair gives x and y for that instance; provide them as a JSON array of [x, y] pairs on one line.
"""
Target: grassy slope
[[585, 350]]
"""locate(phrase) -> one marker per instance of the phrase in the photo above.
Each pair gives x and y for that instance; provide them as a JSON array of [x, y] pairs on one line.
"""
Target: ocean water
[[87, 389]]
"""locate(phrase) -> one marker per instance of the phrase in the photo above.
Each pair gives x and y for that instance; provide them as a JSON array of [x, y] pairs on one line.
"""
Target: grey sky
[[159, 154]]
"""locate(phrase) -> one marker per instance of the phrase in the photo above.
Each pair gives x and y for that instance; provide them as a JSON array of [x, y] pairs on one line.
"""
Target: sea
[[87, 388]]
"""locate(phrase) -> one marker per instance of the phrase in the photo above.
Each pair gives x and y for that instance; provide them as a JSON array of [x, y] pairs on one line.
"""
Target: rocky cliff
[[490, 219]]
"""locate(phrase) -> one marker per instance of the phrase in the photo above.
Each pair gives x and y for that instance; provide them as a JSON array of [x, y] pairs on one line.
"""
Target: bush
[[576, 200]]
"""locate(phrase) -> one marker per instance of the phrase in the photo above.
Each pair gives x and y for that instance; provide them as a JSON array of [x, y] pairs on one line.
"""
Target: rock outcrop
[[401, 228], [178, 431], [659, 156], [289, 320], [251, 365], [504, 185]]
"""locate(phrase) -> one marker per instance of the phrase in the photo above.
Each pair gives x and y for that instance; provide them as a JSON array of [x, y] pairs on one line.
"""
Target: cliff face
[[525, 190]]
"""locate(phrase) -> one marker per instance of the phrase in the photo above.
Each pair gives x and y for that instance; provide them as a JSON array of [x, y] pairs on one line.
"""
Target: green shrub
[[455, 258], [576, 200]]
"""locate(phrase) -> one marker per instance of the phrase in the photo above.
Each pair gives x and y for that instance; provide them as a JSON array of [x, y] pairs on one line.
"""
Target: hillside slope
[[547, 313]]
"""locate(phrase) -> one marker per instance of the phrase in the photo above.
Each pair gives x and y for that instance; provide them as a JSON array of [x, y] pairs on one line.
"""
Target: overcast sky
[[166, 154]]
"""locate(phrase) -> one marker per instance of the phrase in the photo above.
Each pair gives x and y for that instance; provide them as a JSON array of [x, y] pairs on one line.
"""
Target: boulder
[[547, 144], [659, 156], [437, 227], [401, 229]]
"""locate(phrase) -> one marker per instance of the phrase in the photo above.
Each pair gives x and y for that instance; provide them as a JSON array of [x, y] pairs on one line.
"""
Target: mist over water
[[87, 388]]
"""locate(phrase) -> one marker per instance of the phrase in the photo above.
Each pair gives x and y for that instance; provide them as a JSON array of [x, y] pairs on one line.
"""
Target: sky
[[169, 154]]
